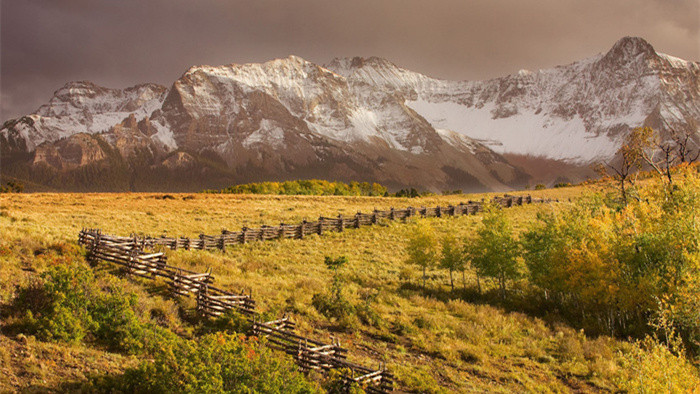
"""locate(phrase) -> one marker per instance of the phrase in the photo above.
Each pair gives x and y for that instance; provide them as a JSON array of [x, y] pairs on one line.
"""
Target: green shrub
[[650, 367], [67, 303], [12, 187], [230, 322], [333, 307], [365, 310], [333, 304], [335, 384], [213, 363]]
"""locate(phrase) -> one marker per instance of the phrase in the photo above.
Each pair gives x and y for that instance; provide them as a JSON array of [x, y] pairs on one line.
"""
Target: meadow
[[433, 338]]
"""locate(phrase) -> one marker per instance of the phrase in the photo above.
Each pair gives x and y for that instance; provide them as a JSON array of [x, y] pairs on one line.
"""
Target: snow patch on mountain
[[164, 135], [521, 133], [268, 133]]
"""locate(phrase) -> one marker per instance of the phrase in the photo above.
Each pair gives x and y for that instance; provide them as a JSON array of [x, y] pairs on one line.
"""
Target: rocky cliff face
[[358, 119]]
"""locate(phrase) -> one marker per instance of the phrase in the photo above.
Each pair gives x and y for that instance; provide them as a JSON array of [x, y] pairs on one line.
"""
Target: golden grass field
[[434, 341]]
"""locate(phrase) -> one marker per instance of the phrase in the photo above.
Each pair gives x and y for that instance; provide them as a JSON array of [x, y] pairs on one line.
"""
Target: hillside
[[433, 339]]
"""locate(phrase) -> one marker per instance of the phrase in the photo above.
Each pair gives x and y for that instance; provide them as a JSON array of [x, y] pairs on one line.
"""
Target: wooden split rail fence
[[310, 354], [326, 224]]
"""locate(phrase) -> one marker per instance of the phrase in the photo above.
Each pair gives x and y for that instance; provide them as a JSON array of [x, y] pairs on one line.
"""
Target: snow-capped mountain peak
[[628, 48], [357, 113]]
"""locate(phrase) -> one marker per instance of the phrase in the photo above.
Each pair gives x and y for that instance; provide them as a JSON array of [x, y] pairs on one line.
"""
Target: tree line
[[629, 269], [312, 187]]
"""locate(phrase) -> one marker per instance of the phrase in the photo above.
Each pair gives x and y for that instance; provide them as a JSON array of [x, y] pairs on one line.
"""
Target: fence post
[[391, 213], [357, 219], [202, 304], [302, 226], [281, 233], [244, 230], [132, 260], [341, 223], [374, 216], [320, 225], [438, 211]]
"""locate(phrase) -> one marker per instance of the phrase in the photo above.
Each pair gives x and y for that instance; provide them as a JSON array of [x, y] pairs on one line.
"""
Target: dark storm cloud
[[118, 43]]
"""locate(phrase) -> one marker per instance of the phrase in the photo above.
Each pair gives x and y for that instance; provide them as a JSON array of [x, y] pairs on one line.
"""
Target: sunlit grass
[[432, 340]]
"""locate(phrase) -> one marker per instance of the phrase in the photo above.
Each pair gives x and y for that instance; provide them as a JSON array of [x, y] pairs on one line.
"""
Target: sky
[[118, 43]]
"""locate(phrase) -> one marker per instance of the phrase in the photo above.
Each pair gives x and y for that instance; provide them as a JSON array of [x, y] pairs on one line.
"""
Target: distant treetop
[[313, 187]]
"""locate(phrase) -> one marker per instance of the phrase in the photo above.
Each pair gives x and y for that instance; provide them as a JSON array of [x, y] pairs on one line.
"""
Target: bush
[[333, 304], [230, 322], [365, 310], [67, 303], [333, 307], [213, 363], [12, 187], [650, 367], [336, 307]]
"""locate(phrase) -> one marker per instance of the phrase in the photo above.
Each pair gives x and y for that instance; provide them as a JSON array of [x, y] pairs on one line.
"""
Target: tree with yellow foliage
[[423, 248]]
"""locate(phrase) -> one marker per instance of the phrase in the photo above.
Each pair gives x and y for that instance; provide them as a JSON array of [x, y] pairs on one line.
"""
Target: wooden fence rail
[[320, 226], [309, 354]]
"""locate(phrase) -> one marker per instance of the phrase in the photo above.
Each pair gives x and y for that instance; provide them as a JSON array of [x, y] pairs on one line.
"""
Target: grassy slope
[[430, 340], [28, 364]]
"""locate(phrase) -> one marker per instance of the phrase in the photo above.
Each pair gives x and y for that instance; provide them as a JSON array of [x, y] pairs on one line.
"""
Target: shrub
[[213, 363], [335, 384], [333, 304], [365, 310], [69, 304], [650, 367], [230, 322], [12, 187]]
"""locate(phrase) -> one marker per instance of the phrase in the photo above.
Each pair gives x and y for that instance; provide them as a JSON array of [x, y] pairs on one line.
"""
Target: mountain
[[362, 119], [576, 113]]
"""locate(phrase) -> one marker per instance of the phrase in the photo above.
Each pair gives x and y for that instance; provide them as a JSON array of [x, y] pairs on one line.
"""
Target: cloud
[[118, 43]]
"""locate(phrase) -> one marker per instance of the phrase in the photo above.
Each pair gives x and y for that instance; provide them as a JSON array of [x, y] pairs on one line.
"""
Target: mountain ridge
[[363, 118]]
